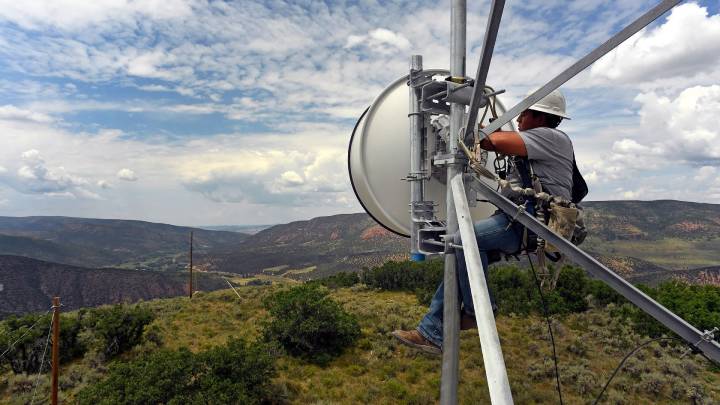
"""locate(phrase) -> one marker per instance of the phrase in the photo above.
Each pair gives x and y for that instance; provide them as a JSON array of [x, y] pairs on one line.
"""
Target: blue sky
[[207, 113]]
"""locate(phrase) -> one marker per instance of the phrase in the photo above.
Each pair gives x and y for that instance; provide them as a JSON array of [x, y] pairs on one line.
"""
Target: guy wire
[[547, 320]]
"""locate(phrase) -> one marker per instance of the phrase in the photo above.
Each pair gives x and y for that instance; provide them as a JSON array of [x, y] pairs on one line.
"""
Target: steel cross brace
[[673, 322]]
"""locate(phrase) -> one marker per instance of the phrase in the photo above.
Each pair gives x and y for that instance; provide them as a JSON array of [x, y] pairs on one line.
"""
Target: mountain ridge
[[91, 242], [645, 239]]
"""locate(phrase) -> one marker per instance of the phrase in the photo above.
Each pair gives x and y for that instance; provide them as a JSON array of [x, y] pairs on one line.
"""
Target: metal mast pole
[[451, 309], [191, 272], [55, 350], [416, 176]]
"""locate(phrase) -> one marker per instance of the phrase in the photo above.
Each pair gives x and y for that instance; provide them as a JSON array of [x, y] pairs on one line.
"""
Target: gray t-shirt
[[551, 156]]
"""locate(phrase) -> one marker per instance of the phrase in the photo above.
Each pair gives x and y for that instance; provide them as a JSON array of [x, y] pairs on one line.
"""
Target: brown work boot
[[467, 322], [414, 339]]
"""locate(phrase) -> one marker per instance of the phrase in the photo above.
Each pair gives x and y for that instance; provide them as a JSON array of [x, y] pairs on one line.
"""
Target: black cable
[[547, 319], [627, 356]]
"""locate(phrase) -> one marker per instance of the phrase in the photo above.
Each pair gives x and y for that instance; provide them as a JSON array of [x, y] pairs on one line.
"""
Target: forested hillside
[[28, 285]]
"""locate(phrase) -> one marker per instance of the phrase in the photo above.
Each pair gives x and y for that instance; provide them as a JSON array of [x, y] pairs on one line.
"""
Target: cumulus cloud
[[673, 131], [686, 45], [292, 94], [126, 174], [683, 128], [379, 40], [287, 178], [630, 195], [74, 15], [33, 176], [10, 112]]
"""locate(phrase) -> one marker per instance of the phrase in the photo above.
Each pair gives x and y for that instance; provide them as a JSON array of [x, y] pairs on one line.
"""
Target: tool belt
[[564, 219]]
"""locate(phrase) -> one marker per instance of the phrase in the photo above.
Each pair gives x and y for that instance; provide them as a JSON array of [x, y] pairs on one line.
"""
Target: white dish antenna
[[379, 158]]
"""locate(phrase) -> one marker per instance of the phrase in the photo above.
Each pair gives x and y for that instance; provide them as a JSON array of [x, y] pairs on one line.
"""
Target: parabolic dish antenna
[[379, 158]]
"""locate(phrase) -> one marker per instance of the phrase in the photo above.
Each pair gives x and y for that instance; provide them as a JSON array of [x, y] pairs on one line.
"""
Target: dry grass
[[378, 370]]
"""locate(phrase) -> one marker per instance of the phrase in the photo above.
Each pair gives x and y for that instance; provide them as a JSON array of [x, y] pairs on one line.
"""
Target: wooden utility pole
[[191, 273], [55, 350]]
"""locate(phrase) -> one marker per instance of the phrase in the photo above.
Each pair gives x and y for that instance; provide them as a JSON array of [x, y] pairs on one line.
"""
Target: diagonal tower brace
[[692, 335]]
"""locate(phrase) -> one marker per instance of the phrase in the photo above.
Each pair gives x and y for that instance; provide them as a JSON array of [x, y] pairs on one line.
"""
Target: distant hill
[[647, 240], [652, 220], [338, 242], [675, 235], [644, 240], [107, 242], [247, 229], [28, 285]]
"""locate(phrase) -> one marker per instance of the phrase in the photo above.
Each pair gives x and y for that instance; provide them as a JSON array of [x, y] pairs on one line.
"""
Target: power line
[[42, 360], [23, 335]]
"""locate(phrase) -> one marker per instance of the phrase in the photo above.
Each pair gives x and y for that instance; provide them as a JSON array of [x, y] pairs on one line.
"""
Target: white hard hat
[[553, 103]]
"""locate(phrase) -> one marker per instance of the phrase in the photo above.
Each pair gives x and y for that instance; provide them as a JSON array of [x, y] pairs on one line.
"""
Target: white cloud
[[380, 40], [33, 176], [279, 177], [686, 45], [76, 15], [126, 174], [10, 112], [315, 67], [683, 128], [672, 132], [291, 178], [630, 195]]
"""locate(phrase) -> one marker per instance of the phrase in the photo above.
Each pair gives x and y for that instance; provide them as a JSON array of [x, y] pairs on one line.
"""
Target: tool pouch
[[562, 222]]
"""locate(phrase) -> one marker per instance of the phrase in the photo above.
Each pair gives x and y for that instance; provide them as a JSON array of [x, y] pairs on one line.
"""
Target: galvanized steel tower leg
[[495, 371], [451, 309], [416, 177]]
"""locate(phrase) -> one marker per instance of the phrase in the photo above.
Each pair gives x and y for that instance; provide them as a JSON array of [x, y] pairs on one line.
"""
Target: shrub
[[258, 282], [116, 329], [309, 324], [340, 280], [514, 288], [422, 278], [697, 304], [516, 291], [25, 356], [235, 373]]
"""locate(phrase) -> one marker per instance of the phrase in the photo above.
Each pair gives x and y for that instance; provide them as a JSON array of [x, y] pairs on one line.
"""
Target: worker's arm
[[505, 142]]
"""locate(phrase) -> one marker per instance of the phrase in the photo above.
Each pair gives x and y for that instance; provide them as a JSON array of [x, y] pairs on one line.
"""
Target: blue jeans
[[492, 236]]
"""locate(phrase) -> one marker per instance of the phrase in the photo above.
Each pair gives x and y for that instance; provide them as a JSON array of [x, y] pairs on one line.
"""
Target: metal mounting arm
[[578, 66], [597, 269]]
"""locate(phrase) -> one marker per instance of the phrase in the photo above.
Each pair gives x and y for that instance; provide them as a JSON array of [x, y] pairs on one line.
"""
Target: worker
[[549, 152]]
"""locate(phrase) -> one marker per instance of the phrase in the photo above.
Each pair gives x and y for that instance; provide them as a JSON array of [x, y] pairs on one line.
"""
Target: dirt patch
[[375, 232], [687, 226]]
